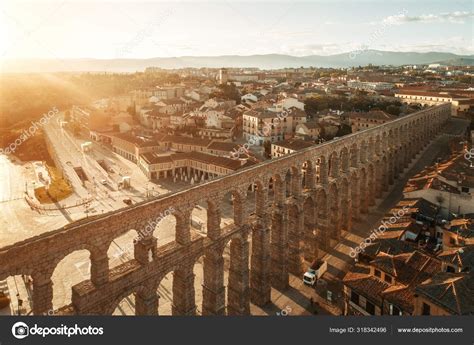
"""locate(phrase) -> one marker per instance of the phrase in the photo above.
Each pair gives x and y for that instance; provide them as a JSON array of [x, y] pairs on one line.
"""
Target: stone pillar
[[42, 295], [310, 246], [213, 220], [323, 234], [183, 291], [310, 178], [295, 232], [260, 262], [99, 267], [334, 166], [385, 175], [146, 303], [296, 182], [213, 292], [346, 208], [323, 173], [379, 172], [356, 157], [238, 288], [355, 196], [390, 170], [335, 218], [143, 249], [279, 240], [260, 266], [364, 194], [183, 226]]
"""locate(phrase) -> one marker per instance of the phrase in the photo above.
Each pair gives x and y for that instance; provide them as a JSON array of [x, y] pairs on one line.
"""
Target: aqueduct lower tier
[[315, 194]]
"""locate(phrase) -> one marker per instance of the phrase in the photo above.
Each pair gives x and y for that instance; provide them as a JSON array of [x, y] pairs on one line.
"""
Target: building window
[[426, 309], [354, 298], [388, 279], [378, 273], [370, 308]]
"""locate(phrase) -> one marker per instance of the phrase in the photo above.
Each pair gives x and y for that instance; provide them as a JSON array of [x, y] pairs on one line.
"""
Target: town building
[[364, 120]]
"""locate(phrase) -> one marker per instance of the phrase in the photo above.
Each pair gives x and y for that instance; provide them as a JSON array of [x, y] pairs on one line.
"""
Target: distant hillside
[[462, 61], [268, 61]]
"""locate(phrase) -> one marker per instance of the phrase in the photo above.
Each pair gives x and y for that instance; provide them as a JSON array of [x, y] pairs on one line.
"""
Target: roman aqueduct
[[302, 202]]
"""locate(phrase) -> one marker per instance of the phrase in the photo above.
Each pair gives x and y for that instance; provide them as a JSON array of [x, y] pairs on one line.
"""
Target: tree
[[344, 130], [393, 110], [132, 111]]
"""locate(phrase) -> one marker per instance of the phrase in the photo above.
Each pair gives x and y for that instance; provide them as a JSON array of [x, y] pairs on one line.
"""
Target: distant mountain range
[[267, 61]]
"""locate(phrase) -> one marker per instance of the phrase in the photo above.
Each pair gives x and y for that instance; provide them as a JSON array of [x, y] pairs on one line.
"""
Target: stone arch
[[68, 271], [122, 248], [322, 170], [235, 198], [344, 160], [356, 154], [129, 296]]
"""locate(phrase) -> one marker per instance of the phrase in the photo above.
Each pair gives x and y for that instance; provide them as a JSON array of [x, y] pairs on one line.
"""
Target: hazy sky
[[124, 29]]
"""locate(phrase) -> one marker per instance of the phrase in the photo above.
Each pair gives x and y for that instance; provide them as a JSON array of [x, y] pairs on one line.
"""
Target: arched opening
[[198, 219], [126, 306], [231, 209], [344, 160], [321, 170], [309, 175], [250, 198], [270, 189], [165, 295], [122, 249], [71, 270], [334, 165], [164, 225]]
